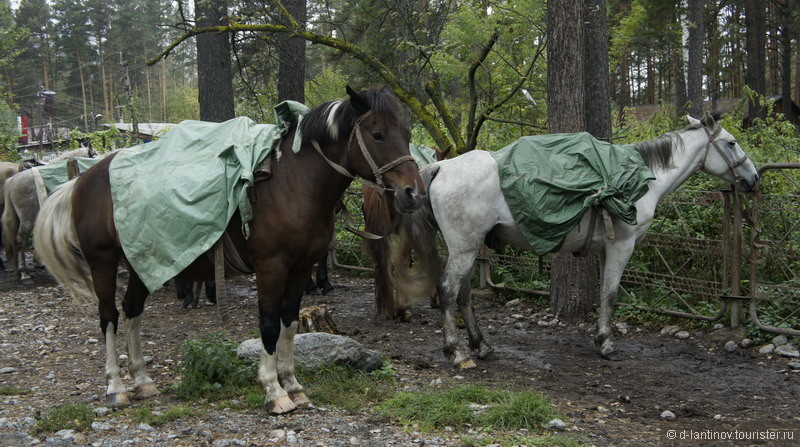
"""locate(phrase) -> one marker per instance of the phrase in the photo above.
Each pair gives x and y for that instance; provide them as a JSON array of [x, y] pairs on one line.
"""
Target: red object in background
[[22, 127]]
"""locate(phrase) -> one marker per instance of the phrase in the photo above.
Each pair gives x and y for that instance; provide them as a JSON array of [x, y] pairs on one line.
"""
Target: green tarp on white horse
[[550, 181]]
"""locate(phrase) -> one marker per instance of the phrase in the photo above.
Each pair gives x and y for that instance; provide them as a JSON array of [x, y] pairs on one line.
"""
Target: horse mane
[[657, 153], [87, 152], [332, 120]]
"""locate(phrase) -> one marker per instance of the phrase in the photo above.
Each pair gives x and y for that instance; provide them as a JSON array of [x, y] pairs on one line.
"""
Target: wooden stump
[[317, 319]]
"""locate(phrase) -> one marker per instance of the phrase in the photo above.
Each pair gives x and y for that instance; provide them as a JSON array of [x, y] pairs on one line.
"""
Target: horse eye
[[732, 143], [377, 136]]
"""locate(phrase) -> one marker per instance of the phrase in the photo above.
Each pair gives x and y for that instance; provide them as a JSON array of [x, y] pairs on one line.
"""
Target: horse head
[[378, 146], [724, 158]]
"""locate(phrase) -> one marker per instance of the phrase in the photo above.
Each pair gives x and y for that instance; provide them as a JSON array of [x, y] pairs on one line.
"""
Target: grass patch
[[470, 406], [546, 440], [348, 388], [68, 416], [211, 370], [155, 418], [10, 390]]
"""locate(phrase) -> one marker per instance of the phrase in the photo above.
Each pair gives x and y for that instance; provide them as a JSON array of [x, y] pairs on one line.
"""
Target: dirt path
[[56, 350]]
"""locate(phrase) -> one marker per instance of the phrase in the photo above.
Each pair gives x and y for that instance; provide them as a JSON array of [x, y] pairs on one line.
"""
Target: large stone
[[787, 350], [316, 350]]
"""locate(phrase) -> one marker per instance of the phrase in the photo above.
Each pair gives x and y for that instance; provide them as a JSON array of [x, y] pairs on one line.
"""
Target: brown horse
[[393, 295], [291, 227]]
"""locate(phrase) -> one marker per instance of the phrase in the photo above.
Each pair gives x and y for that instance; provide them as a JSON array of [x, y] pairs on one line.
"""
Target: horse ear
[[357, 100], [692, 121]]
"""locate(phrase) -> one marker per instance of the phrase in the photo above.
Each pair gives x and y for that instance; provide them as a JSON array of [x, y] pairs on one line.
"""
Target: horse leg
[[24, 230], [105, 289], [325, 286], [133, 306], [612, 265], [10, 225], [455, 279], [275, 329], [476, 341], [285, 347]]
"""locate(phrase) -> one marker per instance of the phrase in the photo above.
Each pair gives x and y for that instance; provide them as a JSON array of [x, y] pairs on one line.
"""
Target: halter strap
[[732, 164], [378, 185]]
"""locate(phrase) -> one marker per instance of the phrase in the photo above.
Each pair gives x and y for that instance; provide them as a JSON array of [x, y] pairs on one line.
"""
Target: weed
[[470, 406], [67, 416], [210, 369], [11, 390]]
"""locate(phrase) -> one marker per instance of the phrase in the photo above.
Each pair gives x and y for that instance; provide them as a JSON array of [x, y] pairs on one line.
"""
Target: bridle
[[732, 164], [378, 185]]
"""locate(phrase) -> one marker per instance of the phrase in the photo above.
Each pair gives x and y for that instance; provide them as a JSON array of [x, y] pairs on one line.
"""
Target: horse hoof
[[145, 391], [404, 315], [281, 405], [488, 355], [117, 400], [466, 364], [300, 399], [613, 356]]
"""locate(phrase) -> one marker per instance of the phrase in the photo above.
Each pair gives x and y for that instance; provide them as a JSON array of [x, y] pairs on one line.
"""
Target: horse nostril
[[411, 193]]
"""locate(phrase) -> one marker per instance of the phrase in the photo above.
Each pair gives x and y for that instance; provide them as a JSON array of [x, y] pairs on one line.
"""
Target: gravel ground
[[54, 348]]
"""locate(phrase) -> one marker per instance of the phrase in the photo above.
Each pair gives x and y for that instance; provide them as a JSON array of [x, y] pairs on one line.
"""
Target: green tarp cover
[[55, 174], [174, 197], [423, 155], [550, 181]]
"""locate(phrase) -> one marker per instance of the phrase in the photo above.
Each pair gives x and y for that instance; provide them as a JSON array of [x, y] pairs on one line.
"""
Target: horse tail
[[56, 243], [419, 229]]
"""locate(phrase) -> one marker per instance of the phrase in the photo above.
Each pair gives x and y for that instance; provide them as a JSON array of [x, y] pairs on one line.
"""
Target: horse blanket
[[173, 197], [550, 181], [52, 175]]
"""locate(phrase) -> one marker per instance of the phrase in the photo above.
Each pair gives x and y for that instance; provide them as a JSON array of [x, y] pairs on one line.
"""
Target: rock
[[730, 346], [766, 349], [787, 351], [513, 303], [682, 335], [746, 343], [780, 340], [8, 370], [670, 330], [557, 424], [794, 364], [718, 326], [717, 417], [319, 349], [667, 415]]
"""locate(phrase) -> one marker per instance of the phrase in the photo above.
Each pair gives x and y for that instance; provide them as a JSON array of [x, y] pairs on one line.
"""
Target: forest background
[[476, 69]]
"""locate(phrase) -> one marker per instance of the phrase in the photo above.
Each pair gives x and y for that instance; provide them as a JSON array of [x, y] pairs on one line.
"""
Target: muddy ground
[[56, 350]]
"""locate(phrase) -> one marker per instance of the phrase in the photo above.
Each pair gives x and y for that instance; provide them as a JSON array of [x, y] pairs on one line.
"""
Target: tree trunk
[[695, 64], [214, 77], [784, 8], [755, 15], [570, 281], [292, 57]]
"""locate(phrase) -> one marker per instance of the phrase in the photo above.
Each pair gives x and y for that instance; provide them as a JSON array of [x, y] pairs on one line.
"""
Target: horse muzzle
[[409, 198], [749, 184]]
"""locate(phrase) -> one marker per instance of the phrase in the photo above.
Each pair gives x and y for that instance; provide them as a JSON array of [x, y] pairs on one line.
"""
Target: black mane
[[319, 125]]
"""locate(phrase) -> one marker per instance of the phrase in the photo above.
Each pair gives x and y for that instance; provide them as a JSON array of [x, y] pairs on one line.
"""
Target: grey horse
[[22, 198]]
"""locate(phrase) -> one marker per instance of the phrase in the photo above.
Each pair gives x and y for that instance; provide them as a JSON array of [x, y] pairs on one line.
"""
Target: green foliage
[[347, 388], [182, 104], [155, 418], [67, 416], [102, 141], [472, 406], [210, 368], [11, 390]]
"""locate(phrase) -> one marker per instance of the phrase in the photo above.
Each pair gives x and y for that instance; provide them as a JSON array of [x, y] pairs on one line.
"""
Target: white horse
[[467, 205], [23, 196]]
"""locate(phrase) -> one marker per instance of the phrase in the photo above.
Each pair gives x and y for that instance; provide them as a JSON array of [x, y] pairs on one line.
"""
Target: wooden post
[[72, 168], [219, 278]]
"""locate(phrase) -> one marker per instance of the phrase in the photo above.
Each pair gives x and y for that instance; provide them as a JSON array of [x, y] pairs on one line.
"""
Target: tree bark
[[571, 277], [695, 63], [214, 76], [292, 57], [756, 41]]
